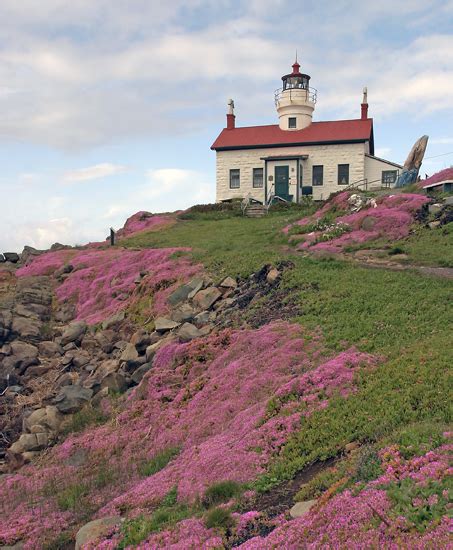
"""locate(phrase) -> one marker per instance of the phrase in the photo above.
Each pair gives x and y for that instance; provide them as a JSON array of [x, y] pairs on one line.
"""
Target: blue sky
[[107, 108]]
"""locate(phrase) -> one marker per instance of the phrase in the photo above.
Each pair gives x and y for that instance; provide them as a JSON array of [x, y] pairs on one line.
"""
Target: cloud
[[98, 171], [442, 141]]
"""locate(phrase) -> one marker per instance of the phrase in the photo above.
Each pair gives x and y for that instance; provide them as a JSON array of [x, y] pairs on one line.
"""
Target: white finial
[[365, 95], [231, 107]]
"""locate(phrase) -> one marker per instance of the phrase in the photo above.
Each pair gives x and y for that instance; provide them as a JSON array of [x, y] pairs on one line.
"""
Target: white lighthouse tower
[[295, 101]]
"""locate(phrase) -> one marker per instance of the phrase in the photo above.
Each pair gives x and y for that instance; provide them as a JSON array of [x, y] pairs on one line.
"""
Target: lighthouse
[[295, 100]]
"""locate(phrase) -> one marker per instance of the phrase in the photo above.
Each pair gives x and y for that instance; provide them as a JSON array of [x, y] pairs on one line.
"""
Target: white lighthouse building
[[298, 156]]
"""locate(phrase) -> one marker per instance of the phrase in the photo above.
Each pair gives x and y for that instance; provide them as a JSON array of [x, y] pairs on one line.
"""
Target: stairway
[[255, 210]]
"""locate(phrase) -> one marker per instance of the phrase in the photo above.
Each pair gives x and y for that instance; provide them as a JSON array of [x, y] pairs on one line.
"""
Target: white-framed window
[[343, 174], [292, 122], [318, 174], [258, 178], [389, 176], [235, 178]]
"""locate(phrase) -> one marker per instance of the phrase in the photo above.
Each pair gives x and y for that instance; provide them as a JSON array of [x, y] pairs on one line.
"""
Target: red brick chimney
[[231, 117], [364, 105]]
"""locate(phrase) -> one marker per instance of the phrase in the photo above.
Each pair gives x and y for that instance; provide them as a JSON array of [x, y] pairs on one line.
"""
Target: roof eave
[[295, 144]]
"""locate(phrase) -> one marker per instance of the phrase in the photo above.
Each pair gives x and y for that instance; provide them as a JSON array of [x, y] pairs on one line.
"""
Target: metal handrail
[[311, 94]]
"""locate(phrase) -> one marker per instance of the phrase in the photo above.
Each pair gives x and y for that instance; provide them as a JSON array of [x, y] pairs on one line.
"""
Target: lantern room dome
[[296, 79]]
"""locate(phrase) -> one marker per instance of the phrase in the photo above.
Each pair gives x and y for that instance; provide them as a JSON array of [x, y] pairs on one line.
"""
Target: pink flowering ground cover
[[145, 221], [380, 515], [103, 280], [227, 403], [390, 219]]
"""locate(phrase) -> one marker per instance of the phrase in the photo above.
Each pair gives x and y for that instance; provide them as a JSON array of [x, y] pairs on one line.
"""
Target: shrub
[[214, 211], [368, 466], [158, 462], [320, 483], [221, 492], [71, 498], [219, 517], [396, 250]]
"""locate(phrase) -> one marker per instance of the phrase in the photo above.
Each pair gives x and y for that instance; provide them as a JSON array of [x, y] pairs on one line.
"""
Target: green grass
[[221, 492], [430, 246], [234, 246], [72, 497], [88, 416], [220, 518], [158, 462]]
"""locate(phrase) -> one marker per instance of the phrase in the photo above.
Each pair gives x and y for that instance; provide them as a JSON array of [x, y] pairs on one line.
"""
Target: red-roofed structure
[[442, 180], [298, 156], [331, 132]]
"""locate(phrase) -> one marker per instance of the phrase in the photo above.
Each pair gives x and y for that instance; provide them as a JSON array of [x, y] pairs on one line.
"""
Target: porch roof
[[285, 157]]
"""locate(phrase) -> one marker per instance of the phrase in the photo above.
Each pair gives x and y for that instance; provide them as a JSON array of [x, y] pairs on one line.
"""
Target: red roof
[[318, 132], [443, 175]]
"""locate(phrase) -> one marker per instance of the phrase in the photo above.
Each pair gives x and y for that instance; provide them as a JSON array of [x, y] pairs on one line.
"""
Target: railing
[[366, 184], [311, 94]]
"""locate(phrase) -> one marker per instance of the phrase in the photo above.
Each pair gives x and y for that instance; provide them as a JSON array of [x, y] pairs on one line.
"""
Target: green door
[[282, 182]]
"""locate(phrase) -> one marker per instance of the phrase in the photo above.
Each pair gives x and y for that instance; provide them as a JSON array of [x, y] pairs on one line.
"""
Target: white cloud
[[442, 141], [95, 172], [383, 152]]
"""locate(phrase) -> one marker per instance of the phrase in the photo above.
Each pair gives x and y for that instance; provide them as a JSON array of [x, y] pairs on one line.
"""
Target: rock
[[101, 394], [180, 295], [106, 340], [206, 329], [94, 530], [351, 446], [2, 259], [24, 355], [188, 332], [435, 208], [64, 380], [73, 332], [78, 458], [196, 284], [205, 299], [72, 398], [141, 340], [38, 370], [161, 324], [65, 313], [30, 442], [301, 508], [115, 382], [228, 282], [12, 257], [448, 201], [80, 358], [184, 313], [113, 320], [138, 375], [273, 275], [433, 225], [368, 223], [202, 319], [49, 349], [27, 329], [129, 354]]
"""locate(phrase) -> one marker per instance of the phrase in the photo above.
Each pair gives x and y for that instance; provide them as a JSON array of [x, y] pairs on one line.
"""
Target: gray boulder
[[115, 382], [23, 355], [27, 329], [162, 324], [301, 508], [49, 349], [140, 372], [129, 354], [188, 332], [72, 398], [94, 530], [228, 282], [73, 332], [205, 299], [12, 257]]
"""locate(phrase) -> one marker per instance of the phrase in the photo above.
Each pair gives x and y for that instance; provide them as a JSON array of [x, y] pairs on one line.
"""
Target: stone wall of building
[[330, 156]]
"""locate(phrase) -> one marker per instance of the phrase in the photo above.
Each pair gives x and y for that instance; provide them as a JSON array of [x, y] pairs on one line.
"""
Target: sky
[[110, 107]]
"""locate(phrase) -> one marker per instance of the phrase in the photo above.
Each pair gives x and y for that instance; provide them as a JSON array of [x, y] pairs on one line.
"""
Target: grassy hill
[[363, 428]]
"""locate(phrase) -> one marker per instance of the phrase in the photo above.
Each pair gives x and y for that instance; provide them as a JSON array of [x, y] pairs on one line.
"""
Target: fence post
[[112, 236]]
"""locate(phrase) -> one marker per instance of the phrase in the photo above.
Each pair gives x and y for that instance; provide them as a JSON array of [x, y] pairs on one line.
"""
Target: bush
[[158, 462], [219, 517], [214, 211], [368, 466], [221, 492], [71, 498]]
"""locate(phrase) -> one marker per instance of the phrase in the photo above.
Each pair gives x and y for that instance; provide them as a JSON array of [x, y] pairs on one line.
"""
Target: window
[[257, 177], [389, 176], [292, 122], [235, 179], [343, 174], [318, 175]]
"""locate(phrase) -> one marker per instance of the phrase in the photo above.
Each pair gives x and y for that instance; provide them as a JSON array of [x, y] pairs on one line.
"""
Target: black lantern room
[[296, 80]]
